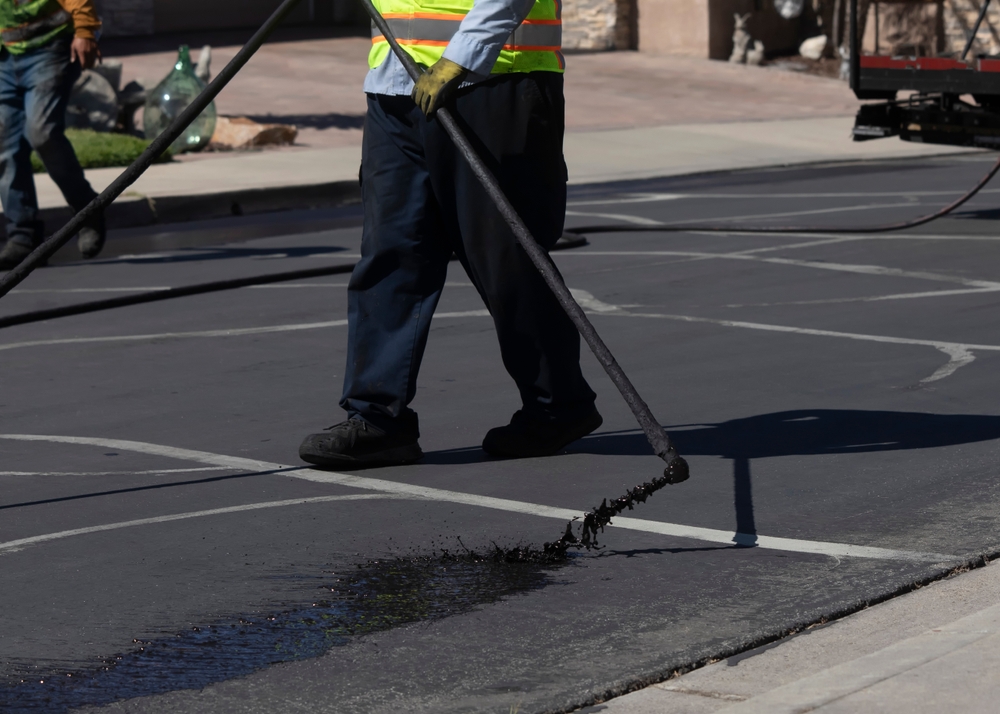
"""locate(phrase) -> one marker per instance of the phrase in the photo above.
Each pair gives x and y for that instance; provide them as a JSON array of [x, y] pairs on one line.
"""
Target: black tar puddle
[[374, 597]]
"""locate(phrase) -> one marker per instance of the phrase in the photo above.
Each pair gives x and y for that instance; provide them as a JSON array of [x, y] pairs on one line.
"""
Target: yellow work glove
[[437, 84]]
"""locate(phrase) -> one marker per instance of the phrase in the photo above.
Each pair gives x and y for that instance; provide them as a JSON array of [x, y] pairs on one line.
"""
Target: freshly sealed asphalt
[[162, 549]]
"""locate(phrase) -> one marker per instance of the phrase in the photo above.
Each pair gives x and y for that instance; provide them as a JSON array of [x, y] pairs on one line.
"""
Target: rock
[[93, 103], [242, 133], [756, 55], [813, 48], [111, 70]]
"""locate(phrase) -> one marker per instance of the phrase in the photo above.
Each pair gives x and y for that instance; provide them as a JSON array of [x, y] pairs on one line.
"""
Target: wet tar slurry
[[373, 597], [676, 472]]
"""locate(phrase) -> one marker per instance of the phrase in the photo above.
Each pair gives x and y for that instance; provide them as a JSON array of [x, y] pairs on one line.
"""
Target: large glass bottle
[[170, 98]]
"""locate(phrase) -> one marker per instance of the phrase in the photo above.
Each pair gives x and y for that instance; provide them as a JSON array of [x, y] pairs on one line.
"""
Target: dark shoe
[[13, 253], [529, 435], [356, 444], [91, 238]]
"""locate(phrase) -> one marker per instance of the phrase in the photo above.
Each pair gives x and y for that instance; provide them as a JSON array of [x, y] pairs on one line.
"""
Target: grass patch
[[97, 149]]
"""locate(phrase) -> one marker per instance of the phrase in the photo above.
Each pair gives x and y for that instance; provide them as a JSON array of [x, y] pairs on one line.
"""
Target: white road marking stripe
[[959, 354], [749, 217], [638, 220], [236, 332], [878, 270], [37, 291], [335, 285], [149, 472], [502, 504], [656, 197], [872, 298], [15, 545]]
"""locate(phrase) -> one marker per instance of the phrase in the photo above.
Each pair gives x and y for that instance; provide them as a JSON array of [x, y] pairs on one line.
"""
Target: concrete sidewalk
[[936, 649]]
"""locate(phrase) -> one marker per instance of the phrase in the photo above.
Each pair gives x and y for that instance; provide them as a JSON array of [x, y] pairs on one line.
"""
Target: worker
[[497, 65], [46, 44]]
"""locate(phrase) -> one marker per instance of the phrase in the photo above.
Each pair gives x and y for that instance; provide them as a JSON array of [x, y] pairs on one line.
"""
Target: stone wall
[[589, 24]]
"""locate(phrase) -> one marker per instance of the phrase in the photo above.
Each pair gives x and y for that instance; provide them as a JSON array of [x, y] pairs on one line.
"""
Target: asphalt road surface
[[163, 550]]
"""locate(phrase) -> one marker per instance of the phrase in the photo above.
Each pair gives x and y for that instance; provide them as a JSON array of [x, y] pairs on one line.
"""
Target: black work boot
[[535, 435], [13, 253], [91, 238], [356, 444]]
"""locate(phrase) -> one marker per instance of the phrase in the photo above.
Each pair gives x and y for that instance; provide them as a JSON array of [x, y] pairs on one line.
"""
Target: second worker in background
[[45, 46], [498, 66]]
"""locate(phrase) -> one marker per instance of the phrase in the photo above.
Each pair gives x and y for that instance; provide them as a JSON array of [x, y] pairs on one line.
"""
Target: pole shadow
[[805, 432]]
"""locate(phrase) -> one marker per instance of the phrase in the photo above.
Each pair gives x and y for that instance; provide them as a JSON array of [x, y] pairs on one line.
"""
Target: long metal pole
[[155, 149], [658, 438]]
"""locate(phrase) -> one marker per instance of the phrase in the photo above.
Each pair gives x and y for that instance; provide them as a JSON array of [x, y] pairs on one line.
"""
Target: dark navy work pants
[[421, 203]]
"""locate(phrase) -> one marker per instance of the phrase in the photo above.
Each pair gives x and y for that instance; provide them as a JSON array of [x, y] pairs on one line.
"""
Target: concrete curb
[[132, 211]]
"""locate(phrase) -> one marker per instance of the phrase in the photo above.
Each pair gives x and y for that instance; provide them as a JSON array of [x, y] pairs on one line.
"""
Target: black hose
[[170, 293], [155, 149], [200, 289], [718, 228], [676, 466]]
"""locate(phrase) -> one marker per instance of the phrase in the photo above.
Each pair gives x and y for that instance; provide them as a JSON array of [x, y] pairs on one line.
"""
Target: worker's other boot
[[539, 435], [90, 240], [13, 253], [356, 444]]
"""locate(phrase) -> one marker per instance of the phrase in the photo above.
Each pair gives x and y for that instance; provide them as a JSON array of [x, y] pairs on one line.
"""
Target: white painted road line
[[502, 504], [959, 354], [38, 291], [878, 270], [873, 298], [748, 217], [16, 545], [657, 197], [236, 332], [149, 472]]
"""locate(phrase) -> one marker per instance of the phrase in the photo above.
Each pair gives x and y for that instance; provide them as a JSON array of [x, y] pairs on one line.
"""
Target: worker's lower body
[[34, 92], [422, 203]]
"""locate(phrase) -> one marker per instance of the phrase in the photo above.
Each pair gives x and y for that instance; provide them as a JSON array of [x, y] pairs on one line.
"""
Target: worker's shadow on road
[[806, 432]]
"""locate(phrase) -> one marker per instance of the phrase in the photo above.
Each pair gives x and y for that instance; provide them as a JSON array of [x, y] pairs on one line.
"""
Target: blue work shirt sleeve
[[484, 31]]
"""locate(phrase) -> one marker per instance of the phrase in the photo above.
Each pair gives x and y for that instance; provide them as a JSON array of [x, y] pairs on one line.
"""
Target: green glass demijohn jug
[[170, 98]]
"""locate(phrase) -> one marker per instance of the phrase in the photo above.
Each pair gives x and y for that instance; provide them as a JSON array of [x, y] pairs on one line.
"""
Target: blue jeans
[[421, 204], [34, 92]]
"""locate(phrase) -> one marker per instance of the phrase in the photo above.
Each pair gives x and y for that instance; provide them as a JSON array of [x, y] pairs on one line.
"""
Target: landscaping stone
[[93, 103], [242, 133]]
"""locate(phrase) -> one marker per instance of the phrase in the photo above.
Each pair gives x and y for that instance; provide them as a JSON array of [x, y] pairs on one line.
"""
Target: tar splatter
[[372, 597], [676, 472]]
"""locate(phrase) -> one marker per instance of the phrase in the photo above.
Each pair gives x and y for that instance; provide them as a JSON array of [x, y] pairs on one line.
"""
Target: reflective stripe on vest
[[28, 24], [534, 46], [30, 31]]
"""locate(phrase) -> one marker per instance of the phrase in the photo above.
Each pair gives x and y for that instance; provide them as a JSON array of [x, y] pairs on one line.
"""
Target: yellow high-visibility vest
[[424, 28]]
